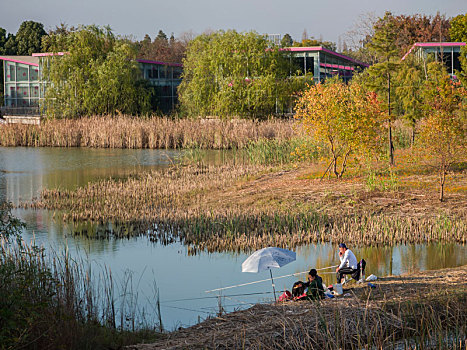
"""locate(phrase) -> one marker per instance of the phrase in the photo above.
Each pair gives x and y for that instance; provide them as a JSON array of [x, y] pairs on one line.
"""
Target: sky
[[321, 19]]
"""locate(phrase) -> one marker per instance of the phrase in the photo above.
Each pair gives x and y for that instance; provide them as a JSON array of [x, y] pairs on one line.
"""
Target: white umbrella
[[267, 259]]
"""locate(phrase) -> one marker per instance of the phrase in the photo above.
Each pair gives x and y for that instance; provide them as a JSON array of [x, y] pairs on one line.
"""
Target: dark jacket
[[315, 289]]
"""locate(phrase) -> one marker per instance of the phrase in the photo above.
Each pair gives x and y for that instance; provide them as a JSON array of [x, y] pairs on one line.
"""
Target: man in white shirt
[[349, 265]]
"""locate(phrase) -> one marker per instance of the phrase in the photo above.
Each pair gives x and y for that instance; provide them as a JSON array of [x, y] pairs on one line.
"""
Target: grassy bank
[[425, 310], [50, 301], [153, 133], [54, 302], [245, 207]]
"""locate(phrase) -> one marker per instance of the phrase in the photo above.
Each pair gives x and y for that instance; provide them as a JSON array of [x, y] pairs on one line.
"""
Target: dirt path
[[359, 313]]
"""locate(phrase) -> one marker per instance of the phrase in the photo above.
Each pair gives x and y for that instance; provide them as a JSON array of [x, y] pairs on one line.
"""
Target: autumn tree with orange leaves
[[443, 132], [346, 118]]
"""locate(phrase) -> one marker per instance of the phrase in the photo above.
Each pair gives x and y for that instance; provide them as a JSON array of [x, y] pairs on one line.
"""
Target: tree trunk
[[344, 164], [335, 167], [391, 146], [442, 180]]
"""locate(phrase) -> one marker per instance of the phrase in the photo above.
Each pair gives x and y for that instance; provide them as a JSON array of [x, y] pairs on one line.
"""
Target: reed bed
[[176, 204], [153, 133], [50, 301]]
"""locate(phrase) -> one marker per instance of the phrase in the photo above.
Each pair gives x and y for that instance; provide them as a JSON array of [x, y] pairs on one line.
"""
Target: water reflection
[[24, 172]]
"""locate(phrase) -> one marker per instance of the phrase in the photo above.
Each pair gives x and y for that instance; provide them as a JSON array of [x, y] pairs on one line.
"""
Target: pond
[[181, 279]]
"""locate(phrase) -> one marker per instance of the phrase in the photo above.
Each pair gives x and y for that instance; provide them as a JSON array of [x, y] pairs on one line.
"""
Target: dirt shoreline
[[267, 326]]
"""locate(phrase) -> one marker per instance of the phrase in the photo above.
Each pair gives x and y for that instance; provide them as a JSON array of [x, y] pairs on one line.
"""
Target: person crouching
[[315, 290]]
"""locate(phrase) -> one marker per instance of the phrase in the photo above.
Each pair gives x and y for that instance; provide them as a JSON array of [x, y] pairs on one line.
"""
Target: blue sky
[[326, 19]]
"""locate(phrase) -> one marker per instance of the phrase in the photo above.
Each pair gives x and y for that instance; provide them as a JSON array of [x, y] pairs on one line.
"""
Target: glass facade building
[[23, 87], [448, 53], [322, 63], [165, 79]]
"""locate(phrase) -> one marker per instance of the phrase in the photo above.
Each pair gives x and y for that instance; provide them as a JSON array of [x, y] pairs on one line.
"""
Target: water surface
[[24, 172]]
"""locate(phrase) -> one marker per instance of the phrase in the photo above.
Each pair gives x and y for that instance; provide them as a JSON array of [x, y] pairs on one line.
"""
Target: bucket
[[338, 288]]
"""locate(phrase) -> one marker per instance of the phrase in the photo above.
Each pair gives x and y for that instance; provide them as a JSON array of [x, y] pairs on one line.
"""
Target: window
[[34, 90], [33, 73], [11, 71], [310, 62], [163, 72], [298, 65], [22, 72], [177, 72]]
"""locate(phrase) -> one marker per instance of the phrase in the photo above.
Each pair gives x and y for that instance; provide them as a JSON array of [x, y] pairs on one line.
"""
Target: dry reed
[[153, 133], [172, 205], [421, 311]]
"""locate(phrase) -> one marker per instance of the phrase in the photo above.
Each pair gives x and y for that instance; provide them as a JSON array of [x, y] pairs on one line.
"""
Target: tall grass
[[280, 152], [153, 133], [263, 151], [50, 301]]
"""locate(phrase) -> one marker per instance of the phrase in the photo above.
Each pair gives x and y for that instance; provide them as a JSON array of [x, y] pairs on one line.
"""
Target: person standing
[[348, 264]]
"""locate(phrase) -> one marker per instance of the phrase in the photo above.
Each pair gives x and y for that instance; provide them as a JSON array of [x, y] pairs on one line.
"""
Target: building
[[273, 39], [165, 78], [24, 86], [448, 53], [322, 63]]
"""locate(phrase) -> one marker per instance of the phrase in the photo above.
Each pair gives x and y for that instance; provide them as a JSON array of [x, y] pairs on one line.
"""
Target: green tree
[[234, 74], [98, 75], [286, 41], [458, 29], [161, 36], [29, 37], [383, 44], [345, 117], [3, 39], [314, 42], [10, 45], [57, 38], [443, 133], [409, 86], [459, 34]]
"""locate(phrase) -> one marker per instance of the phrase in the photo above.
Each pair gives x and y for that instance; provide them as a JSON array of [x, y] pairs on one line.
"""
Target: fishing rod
[[266, 280]]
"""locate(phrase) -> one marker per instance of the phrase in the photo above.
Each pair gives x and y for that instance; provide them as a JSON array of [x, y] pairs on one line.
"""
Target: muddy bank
[[418, 307]]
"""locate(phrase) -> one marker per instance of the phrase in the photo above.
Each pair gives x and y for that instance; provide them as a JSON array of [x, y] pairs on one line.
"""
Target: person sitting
[[298, 290], [348, 265], [315, 290]]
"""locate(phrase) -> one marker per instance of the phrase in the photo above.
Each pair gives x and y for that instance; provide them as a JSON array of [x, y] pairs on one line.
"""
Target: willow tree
[[344, 117], [227, 73], [97, 75]]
